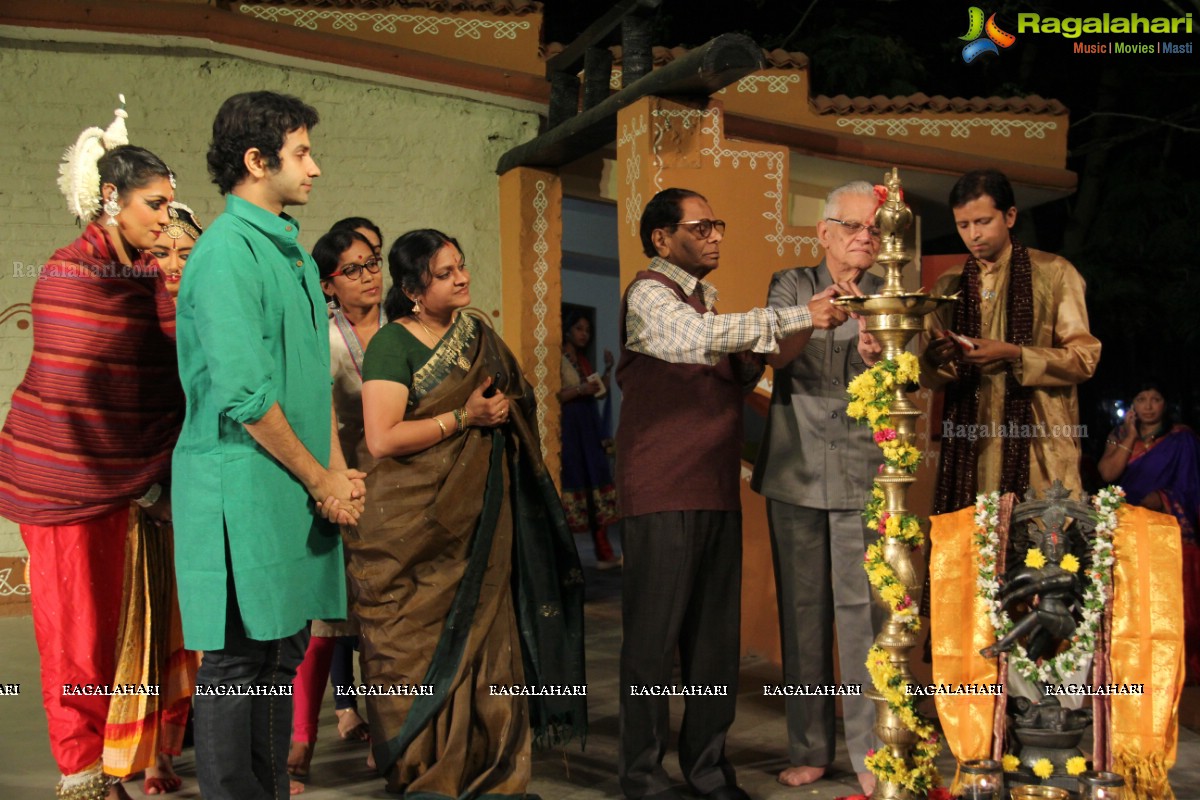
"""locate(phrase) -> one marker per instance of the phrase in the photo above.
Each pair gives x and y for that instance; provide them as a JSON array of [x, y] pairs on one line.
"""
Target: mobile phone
[[962, 341], [495, 387]]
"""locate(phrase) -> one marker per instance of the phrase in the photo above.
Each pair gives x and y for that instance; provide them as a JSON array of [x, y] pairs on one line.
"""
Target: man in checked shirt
[[683, 371]]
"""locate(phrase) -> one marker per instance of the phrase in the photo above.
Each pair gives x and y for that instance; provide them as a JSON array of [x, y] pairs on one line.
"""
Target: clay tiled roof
[[841, 104], [498, 7], [665, 55]]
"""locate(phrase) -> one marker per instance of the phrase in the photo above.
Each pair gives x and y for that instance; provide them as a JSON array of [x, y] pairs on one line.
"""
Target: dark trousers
[[242, 741], [341, 673], [681, 587]]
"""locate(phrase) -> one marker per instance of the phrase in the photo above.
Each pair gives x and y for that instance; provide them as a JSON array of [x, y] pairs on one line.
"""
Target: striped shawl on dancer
[[93, 422]]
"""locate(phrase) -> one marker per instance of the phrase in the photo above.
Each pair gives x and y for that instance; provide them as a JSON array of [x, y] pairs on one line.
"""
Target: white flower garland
[[1098, 578]]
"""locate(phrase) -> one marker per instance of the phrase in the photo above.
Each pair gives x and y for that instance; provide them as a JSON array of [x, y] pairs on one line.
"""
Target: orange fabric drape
[[959, 628], [1147, 649], [1147, 644]]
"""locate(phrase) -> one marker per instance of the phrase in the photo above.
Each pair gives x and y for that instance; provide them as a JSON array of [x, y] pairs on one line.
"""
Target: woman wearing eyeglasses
[[350, 277]]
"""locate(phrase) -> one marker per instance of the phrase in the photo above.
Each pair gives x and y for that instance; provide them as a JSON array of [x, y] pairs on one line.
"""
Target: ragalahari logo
[[977, 46]]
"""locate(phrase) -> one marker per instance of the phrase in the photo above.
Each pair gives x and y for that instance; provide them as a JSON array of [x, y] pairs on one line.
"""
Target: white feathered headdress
[[78, 175]]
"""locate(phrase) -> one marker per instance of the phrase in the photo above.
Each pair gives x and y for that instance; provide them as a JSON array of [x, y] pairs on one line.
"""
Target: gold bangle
[[1123, 447], [441, 425], [462, 422]]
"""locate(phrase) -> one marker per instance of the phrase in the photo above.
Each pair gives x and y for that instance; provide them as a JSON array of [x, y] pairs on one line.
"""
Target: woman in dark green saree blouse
[[464, 576]]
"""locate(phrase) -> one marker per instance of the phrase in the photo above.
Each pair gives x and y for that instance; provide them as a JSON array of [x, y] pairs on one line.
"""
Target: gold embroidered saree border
[[449, 353]]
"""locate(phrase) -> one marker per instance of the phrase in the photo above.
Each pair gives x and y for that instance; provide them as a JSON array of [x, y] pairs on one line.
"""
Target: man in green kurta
[[257, 483]]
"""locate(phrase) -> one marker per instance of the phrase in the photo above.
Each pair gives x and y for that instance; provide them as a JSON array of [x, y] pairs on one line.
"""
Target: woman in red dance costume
[[90, 430]]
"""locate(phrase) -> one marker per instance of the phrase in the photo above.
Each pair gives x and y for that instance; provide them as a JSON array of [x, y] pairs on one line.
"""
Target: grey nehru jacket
[[813, 455]]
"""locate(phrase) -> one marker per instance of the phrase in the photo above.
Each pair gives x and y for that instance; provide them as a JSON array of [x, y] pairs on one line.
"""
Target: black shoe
[[727, 792]]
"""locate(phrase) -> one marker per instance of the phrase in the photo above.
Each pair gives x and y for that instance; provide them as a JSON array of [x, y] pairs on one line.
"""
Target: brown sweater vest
[[680, 436]]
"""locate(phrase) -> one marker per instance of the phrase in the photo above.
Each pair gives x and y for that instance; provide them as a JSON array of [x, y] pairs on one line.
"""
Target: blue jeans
[[242, 741]]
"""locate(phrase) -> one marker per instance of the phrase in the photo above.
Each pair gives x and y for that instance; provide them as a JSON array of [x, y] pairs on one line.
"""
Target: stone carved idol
[[1044, 601]]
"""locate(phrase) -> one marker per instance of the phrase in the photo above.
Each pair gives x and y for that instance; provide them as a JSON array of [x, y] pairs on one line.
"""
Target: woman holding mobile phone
[[1157, 463]]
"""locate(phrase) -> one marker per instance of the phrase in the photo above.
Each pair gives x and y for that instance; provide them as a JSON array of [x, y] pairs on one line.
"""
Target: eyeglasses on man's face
[[702, 228], [854, 228], [354, 270]]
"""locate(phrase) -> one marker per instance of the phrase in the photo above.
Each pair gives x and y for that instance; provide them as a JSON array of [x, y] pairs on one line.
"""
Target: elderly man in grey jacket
[[816, 469]]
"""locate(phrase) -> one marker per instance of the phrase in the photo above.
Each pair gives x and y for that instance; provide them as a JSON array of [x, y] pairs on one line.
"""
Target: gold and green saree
[[466, 583]]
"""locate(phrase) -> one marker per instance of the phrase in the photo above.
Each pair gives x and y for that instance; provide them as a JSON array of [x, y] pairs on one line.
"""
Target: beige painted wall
[[403, 158]]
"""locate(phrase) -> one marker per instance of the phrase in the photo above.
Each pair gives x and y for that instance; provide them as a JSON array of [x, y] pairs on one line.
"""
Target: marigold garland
[[881, 576], [871, 396], [1097, 580], [882, 763], [919, 780]]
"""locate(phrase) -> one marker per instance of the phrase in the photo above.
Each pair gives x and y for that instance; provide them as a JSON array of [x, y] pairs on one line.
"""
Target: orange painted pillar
[[531, 266]]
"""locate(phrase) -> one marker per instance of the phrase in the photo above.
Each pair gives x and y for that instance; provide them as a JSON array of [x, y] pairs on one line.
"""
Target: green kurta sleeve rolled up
[[252, 331]]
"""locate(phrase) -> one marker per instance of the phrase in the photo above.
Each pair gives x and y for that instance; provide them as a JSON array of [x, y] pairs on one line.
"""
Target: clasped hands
[[339, 494]]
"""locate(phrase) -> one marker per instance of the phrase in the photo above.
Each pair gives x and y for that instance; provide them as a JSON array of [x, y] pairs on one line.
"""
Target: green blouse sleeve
[[394, 355]]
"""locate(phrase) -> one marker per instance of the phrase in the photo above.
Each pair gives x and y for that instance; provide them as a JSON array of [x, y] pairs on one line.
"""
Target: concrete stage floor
[[757, 744]]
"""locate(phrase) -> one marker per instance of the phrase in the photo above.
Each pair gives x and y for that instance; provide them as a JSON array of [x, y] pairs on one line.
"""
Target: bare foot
[[867, 781], [161, 778], [800, 776], [370, 757], [351, 726], [295, 787], [299, 758]]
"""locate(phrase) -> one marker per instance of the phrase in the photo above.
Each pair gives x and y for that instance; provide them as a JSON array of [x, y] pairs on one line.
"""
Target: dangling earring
[[112, 208], [416, 307]]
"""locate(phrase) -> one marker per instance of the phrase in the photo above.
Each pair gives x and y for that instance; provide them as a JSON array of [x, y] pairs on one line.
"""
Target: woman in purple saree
[[1158, 465]]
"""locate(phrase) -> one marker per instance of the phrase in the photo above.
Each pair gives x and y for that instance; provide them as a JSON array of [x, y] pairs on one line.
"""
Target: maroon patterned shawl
[[93, 422]]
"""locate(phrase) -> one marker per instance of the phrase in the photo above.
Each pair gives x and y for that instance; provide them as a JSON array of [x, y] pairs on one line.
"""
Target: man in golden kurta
[[1022, 314], [1009, 353]]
